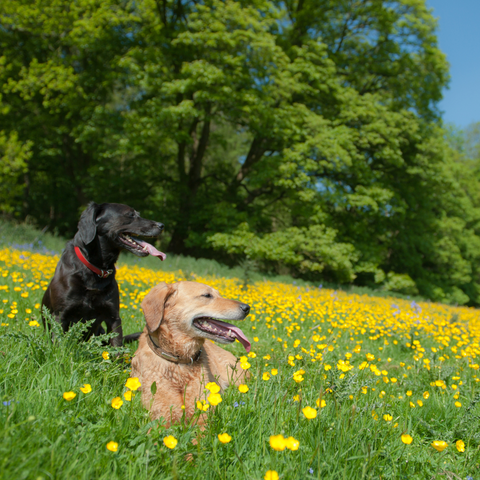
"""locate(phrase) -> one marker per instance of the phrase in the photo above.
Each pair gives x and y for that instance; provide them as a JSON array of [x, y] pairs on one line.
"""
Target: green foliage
[[13, 166], [310, 249], [303, 134]]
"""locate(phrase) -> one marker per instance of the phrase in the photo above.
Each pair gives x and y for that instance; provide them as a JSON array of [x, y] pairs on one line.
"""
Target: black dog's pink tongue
[[239, 335], [151, 249]]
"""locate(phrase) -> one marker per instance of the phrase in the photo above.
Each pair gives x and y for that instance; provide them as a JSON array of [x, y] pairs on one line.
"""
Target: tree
[[58, 71], [304, 134]]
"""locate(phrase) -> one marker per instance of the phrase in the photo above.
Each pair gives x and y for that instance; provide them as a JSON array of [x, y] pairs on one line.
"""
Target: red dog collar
[[93, 268]]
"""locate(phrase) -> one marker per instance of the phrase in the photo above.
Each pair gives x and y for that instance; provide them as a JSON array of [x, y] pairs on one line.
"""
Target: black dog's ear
[[87, 227], [153, 305]]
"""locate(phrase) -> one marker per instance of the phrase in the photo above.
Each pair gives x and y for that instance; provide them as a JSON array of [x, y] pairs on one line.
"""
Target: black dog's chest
[[95, 298]]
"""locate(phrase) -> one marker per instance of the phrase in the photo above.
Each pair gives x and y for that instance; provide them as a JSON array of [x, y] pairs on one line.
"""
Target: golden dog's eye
[[207, 295]]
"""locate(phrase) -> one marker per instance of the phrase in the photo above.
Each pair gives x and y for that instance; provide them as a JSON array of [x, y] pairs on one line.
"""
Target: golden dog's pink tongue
[[239, 335], [151, 249]]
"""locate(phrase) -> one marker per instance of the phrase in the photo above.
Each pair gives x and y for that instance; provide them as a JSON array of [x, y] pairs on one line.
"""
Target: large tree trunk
[[189, 182]]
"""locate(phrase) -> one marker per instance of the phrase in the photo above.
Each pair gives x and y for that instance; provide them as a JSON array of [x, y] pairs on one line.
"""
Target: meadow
[[342, 386]]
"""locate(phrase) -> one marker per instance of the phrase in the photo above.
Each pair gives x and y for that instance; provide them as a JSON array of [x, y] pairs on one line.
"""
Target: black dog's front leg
[[116, 326]]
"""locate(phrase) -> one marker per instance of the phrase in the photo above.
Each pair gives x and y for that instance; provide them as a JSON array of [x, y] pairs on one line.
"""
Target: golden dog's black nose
[[245, 308]]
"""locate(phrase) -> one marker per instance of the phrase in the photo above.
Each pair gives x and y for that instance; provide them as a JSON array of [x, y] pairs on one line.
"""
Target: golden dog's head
[[191, 310]]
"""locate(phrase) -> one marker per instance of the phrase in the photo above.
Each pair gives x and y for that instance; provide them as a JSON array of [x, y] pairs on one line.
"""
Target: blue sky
[[459, 39]]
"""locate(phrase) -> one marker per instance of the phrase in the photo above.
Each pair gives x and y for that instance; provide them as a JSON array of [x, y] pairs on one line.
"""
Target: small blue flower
[[235, 405], [310, 471], [242, 403], [7, 404], [416, 306]]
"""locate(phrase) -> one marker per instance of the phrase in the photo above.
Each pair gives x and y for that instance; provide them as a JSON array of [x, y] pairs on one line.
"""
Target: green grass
[[45, 437]]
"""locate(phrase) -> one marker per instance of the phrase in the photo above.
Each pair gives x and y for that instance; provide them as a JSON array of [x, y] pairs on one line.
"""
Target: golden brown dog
[[173, 352]]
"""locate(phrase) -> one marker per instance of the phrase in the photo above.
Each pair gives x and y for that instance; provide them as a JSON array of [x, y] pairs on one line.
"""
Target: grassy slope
[[44, 436]]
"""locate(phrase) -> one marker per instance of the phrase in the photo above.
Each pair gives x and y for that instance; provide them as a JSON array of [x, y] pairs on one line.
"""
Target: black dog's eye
[[207, 295], [130, 214]]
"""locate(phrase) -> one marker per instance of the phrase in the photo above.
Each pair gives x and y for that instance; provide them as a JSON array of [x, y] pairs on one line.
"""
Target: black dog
[[84, 287]]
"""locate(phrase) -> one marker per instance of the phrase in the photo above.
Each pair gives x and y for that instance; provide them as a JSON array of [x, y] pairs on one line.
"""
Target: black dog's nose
[[245, 308], [160, 226]]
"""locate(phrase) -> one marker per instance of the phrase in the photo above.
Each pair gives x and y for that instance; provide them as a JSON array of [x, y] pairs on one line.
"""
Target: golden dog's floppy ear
[[153, 305]]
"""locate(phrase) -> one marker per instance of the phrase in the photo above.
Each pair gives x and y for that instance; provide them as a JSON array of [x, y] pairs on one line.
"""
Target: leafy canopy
[[303, 134]]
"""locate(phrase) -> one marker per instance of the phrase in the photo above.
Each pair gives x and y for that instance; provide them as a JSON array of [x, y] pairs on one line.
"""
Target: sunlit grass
[[364, 385]]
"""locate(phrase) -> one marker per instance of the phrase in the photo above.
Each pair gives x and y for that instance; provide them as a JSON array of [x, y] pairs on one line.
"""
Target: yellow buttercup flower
[[439, 445], [387, 417], [213, 387], [117, 402], [271, 475], [170, 442], [266, 376], [105, 355], [87, 388], [406, 439], [298, 376], [133, 383], [128, 395], [214, 398], [34, 323], [292, 444], [224, 437], [245, 365], [425, 395], [458, 404], [243, 388], [112, 446], [278, 443], [321, 403], [69, 396], [460, 444], [201, 405], [274, 371], [309, 412]]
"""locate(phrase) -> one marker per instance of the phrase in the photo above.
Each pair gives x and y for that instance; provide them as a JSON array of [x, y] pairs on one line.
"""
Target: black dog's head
[[119, 224]]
